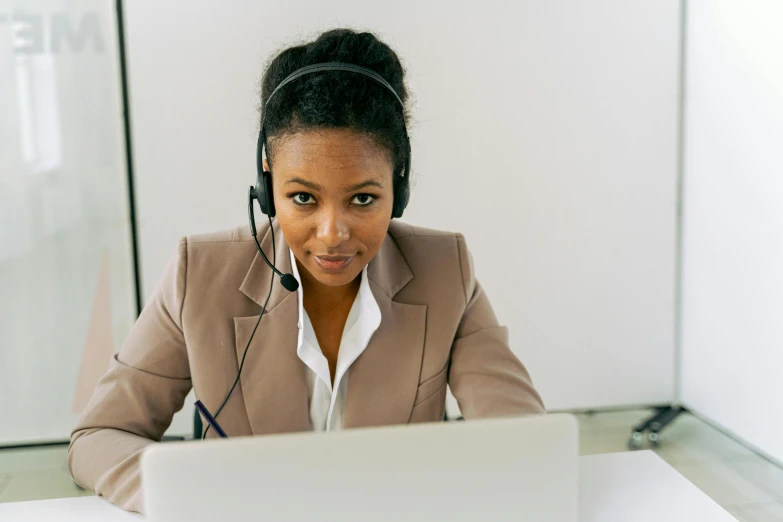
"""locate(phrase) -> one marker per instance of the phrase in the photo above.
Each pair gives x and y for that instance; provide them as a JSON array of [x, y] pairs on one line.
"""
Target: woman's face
[[333, 195]]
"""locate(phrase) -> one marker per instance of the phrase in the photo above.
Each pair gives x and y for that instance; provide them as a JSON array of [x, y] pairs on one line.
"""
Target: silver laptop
[[513, 469]]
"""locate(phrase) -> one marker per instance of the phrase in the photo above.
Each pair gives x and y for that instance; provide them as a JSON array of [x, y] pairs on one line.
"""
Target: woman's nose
[[332, 228]]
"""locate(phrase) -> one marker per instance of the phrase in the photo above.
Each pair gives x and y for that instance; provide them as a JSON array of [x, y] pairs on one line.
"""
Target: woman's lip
[[333, 263]]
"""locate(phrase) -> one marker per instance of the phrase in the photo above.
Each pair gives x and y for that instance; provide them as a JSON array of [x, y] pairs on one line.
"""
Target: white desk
[[621, 487], [640, 487]]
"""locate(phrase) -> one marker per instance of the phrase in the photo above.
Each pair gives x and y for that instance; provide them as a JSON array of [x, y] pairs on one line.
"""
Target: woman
[[385, 315]]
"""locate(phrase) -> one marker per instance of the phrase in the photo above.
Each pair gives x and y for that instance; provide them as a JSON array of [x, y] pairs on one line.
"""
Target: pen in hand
[[210, 419]]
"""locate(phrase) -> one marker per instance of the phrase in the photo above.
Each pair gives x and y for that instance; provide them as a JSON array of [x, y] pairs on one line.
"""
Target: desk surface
[[640, 487], [622, 487]]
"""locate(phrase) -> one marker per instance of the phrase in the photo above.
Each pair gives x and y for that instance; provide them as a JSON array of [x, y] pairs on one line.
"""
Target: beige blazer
[[437, 328]]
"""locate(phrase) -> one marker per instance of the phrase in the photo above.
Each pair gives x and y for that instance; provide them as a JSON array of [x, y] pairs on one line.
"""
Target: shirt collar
[[367, 305]]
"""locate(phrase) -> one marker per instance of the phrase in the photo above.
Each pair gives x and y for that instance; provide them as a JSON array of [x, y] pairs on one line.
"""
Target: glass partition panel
[[67, 291]]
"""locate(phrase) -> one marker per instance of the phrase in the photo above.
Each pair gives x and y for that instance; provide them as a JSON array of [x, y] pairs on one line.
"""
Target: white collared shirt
[[327, 406]]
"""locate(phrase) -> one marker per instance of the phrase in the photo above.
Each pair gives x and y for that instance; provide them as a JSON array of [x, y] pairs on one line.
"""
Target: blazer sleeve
[[134, 402], [485, 376]]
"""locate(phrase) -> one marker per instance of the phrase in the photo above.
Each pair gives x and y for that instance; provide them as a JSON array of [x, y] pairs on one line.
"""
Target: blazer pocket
[[431, 386]]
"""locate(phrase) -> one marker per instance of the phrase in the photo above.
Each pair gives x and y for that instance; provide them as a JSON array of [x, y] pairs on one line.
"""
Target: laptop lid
[[510, 469]]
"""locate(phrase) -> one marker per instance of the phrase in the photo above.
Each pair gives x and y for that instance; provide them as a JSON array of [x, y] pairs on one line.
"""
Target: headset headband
[[322, 67], [337, 66]]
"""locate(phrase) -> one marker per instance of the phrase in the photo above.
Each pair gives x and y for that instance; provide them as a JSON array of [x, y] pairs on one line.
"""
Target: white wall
[[545, 131], [732, 335]]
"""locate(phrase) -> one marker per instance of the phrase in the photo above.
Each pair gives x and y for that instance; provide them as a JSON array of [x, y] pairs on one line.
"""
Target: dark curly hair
[[338, 99]]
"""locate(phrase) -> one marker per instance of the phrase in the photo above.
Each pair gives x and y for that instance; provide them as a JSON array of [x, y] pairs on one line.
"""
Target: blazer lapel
[[383, 381], [273, 381]]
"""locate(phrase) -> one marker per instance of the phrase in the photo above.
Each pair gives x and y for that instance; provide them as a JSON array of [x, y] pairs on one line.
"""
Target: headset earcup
[[401, 199], [264, 191]]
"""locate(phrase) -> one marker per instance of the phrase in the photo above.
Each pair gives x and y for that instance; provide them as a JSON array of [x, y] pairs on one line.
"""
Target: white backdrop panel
[[732, 337], [545, 132]]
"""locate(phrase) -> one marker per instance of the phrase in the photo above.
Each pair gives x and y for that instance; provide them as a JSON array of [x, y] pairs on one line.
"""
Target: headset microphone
[[288, 281]]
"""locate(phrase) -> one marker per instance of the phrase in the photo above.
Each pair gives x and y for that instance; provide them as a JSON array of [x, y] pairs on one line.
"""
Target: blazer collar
[[388, 270]]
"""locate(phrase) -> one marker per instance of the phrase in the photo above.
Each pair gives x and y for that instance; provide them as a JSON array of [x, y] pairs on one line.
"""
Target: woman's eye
[[363, 200], [303, 198]]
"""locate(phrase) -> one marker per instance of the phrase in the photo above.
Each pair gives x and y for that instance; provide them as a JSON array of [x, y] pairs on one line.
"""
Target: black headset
[[263, 188]]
